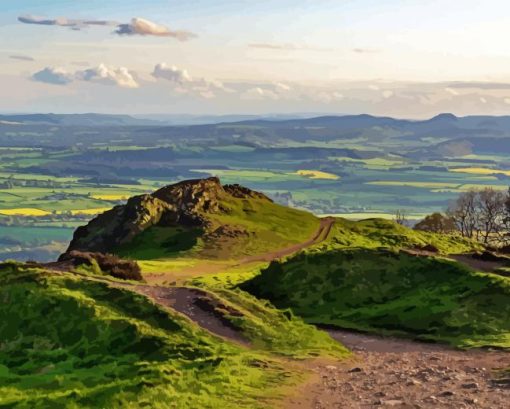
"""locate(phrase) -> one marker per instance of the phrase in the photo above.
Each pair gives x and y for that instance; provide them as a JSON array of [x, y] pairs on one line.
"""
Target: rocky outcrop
[[242, 192], [185, 203]]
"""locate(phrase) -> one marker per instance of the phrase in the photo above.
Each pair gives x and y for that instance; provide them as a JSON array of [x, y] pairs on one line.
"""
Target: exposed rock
[[227, 231], [185, 203], [393, 402], [242, 192], [471, 385]]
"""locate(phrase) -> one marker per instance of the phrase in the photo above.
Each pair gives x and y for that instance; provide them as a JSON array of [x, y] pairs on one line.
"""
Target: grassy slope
[[267, 226], [278, 331], [79, 343], [380, 233], [351, 282]]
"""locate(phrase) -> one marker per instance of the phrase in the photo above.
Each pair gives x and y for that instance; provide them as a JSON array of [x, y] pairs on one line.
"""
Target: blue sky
[[402, 58]]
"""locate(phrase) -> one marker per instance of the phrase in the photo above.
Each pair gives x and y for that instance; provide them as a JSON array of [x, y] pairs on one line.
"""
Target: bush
[[108, 263], [436, 223]]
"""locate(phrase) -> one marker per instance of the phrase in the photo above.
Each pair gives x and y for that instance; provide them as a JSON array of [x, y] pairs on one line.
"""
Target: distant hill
[[77, 120], [421, 139]]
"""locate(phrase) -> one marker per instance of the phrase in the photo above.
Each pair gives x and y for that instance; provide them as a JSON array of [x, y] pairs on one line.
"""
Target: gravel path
[[388, 372]]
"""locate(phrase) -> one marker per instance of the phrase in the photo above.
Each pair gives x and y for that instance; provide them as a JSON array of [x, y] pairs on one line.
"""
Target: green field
[[79, 172]]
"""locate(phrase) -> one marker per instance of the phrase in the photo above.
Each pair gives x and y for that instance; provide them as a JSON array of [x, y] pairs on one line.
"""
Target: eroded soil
[[388, 372]]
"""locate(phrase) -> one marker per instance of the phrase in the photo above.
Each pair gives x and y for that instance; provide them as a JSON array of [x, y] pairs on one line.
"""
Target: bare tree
[[490, 215], [506, 220], [481, 215], [401, 217], [463, 213]]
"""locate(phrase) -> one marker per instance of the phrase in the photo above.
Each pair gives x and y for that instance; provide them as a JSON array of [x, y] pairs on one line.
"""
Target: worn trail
[[389, 372], [203, 307]]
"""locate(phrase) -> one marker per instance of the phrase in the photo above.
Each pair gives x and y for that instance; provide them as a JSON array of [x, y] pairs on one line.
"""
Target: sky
[[401, 58]]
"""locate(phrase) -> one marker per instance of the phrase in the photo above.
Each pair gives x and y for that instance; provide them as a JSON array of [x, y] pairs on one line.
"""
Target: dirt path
[[320, 235], [388, 372], [200, 306], [203, 307], [204, 268], [477, 264]]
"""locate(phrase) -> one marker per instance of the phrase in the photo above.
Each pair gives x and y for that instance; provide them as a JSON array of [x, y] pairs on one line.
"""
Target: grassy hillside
[[244, 228], [69, 342], [390, 292], [380, 233], [198, 218]]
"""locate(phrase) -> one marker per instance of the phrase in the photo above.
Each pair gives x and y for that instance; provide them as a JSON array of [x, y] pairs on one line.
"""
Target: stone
[[471, 385], [393, 402], [447, 393]]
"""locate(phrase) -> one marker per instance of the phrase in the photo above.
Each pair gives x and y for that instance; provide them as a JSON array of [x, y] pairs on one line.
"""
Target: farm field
[[75, 172]]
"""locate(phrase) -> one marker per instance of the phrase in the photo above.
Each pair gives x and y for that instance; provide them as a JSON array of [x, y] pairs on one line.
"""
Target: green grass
[[391, 293], [68, 342], [381, 233], [264, 325], [254, 226], [269, 226], [161, 242]]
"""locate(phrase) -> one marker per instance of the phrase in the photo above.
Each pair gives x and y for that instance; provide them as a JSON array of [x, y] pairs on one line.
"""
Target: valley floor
[[388, 372]]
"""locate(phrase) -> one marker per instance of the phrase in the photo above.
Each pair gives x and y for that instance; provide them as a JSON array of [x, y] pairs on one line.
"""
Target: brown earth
[[198, 305], [478, 264], [321, 234], [204, 267], [389, 372]]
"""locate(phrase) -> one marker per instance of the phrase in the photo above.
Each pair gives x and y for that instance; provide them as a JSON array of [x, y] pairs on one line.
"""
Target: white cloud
[[21, 57], [387, 93], [53, 75], [108, 75], [451, 91], [101, 74], [327, 97], [483, 100], [287, 47], [364, 50], [171, 73], [282, 87], [143, 27], [137, 26], [506, 101], [258, 93], [64, 22], [184, 83]]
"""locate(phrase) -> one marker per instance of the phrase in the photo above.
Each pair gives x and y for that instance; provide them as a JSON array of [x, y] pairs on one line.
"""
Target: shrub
[[108, 263]]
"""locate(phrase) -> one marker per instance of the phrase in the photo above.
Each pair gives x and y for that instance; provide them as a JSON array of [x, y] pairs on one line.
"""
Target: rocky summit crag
[[186, 204]]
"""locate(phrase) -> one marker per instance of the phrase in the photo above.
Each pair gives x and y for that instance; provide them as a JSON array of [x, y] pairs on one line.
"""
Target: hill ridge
[[186, 212]]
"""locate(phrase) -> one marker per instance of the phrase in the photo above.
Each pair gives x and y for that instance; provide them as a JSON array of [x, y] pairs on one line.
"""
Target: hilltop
[[230, 289], [201, 217]]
